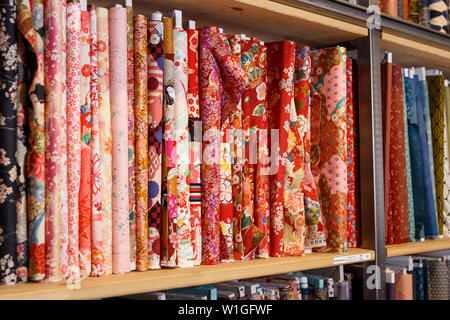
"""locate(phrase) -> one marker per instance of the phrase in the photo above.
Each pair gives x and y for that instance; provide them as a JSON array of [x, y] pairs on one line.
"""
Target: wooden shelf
[[417, 247], [265, 19], [139, 282]]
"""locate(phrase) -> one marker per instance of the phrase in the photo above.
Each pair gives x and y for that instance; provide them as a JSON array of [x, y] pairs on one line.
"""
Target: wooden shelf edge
[[140, 282], [417, 247]]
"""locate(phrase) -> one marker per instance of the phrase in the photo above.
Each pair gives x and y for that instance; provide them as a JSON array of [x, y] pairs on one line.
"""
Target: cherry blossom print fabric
[[51, 258], [353, 214], [141, 140], [84, 202], [119, 125], [169, 239], [155, 111], [316, 232], [328, 140], [8, 143], [73, 79], [280, 64], [195, 146], [97, 258], [221, 82], [104, 112], [255, 184], [185, 250], [31, 27], [131, 138]]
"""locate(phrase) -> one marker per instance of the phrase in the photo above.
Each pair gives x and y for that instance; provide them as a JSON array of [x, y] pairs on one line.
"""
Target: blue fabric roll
[[430, 218], [418, 278]]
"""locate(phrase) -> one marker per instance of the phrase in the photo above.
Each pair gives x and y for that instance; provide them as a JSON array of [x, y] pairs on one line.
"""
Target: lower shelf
[[139, 282], [395, 250]]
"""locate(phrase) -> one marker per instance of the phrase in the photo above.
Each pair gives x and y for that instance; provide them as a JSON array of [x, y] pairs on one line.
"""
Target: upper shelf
[[417, 247], [140, 282], [265, 19]]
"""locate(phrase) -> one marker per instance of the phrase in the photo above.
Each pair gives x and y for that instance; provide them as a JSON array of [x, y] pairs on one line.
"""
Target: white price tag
[[352, 258]]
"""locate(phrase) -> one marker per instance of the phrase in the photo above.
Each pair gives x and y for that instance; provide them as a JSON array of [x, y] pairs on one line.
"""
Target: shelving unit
[[139, 282], [317, 23], [417, 247]]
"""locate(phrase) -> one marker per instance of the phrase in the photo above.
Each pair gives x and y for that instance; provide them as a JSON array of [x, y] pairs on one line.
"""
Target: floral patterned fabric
[[51, 258], [73, 132], [8, 143], [155, 109], [97, 258], [195, 187], [446, 224], [85, 173], [141, 140], [181, 126], [105, 135], [280, 64], [255, 183], [316, 232], [169, 240], [131, 138], [328, 140], [221, 85], [119, 126]]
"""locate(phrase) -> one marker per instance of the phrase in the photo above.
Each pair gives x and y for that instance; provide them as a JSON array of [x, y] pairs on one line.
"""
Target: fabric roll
[[316, 232], [119, 125], [328, 141], [395, 148], [415, 129], [195, 146], [437, 104], [435, 280], [155, 109], [49, 258], [26, 30], [63, 184], [342, 290], [73, 81], [235, 124], [255, 186], [404, 286], [353, 214], [424, 12], [181, 126], [220, 93], [280, 70], [131, 137], [389, 7], [411, 223], [84, 201], [32, 214], [418, 275], [430, 222], [391, 291], [169, 239], [446, 223], [8, 143], [400, 9], [438, 15], [406, 9], [105, 135], [141, 140], [97, 258], [413, 11]]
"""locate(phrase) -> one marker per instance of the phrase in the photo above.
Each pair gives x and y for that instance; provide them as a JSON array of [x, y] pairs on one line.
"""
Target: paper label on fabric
[[352, 258]]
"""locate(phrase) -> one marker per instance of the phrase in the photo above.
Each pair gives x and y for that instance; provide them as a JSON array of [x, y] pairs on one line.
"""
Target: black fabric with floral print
[[8, 143]]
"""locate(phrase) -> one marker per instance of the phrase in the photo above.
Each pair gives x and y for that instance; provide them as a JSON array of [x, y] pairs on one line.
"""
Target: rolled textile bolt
[[83, 5], [191, 25], [128, 3]]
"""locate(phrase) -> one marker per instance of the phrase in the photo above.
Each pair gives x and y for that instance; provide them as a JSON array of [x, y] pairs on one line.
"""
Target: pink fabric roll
[[119, 124], [73, 46], [97, 259], [54, 110]]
